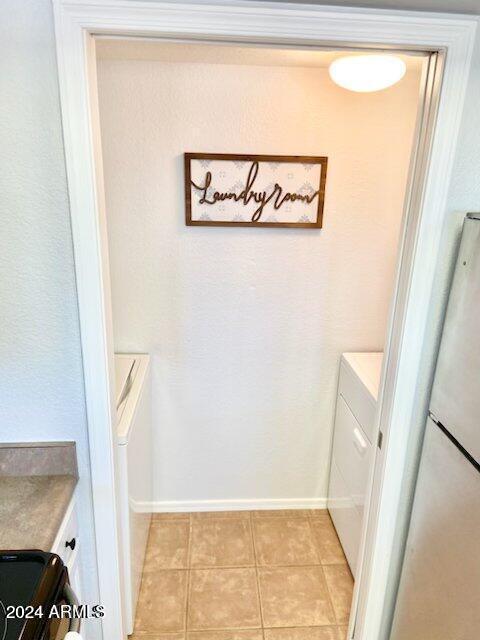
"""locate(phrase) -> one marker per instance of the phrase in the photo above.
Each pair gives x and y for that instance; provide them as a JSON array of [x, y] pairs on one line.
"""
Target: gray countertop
[[32, 509]]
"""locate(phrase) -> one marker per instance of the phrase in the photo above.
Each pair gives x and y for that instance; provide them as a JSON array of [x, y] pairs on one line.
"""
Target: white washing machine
[[134, 440], [353, 447]]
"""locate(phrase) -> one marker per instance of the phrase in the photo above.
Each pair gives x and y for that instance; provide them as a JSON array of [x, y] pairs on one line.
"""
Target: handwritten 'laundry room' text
[[278, 195]]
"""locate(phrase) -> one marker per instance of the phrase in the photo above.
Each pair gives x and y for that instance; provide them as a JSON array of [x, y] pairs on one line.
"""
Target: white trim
[[185, 506], [293, 24]]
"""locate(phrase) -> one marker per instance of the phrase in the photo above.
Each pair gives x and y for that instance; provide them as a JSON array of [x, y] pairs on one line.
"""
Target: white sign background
[[284, 186]]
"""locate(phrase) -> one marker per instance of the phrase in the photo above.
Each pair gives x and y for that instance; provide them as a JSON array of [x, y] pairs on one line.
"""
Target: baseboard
[[181, 506]]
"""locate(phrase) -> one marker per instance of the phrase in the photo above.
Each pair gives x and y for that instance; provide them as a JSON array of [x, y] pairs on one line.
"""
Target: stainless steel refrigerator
[[439, 593]]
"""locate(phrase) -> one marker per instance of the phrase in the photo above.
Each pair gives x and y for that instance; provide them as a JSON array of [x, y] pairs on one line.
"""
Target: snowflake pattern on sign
[[261, 191], [237, 187], [306, 189]]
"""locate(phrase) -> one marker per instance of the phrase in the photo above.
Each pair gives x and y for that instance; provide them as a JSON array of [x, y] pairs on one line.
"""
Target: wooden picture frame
[[204, 202]]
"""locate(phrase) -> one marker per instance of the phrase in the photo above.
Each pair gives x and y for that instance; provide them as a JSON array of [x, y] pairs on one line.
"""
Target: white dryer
[[135, 465], [353, 447]]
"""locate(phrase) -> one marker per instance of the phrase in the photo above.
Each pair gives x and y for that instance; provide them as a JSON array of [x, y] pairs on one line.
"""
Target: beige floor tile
[[223, 599], [219, 515], [294, 597], [280, 513], [328, 544], [157, 636], [167, 545], [170, 516], [340, 586], [343, 632], [284, 541], [221, 543], [234, 634], [162, 602], [314, 513], [302, 633]]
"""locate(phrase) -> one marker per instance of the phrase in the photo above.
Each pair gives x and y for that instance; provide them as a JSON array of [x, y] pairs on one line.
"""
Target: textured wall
[[246, 326], [41, 371]]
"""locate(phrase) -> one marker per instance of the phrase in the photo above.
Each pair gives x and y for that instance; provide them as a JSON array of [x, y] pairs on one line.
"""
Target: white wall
[[246, 326], [41, 385]]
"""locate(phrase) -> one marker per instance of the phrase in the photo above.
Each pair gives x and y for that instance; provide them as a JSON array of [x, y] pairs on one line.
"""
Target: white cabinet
[[67, 545], [353, 448]]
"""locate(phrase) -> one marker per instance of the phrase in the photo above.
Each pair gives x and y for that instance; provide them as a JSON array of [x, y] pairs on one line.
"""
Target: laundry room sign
[[254, 190]]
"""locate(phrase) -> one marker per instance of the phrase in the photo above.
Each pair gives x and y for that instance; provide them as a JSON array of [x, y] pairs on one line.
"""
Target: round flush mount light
[[364, 73]]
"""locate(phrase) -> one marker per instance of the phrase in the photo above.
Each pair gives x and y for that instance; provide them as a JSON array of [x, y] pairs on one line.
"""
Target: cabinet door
[[74, 574], [74, 567], [65, 543], [351, 462], [345, 516], [353, 454]]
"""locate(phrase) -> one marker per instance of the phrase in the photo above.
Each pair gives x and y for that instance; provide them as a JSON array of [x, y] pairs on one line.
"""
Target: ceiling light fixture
[[364, 73]]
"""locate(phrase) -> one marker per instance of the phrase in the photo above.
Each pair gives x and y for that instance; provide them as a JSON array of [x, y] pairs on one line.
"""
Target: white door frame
[[76, 22]]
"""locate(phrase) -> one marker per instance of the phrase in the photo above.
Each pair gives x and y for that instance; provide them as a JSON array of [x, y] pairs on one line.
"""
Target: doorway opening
[[450, 39], [265, 346]]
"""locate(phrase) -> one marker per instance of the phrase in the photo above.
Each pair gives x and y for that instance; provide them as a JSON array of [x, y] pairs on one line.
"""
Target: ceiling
[[449, 6], [253, 55]]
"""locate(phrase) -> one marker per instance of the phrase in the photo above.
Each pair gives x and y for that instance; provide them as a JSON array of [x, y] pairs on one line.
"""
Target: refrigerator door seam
[[457, 444]]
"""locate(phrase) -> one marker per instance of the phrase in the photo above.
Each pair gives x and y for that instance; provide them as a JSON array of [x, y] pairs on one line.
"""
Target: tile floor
[[260, 575]]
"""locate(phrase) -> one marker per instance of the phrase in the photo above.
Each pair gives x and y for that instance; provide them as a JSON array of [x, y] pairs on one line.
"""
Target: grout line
[[143, 573], [259, 596], [219, 629], [315, 542], [255, 514], [220, 519], [252, 566], [307, 626], [239, 513], [189, 547], [189, 573], [329, 596], [212, 567], [228, 629]]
